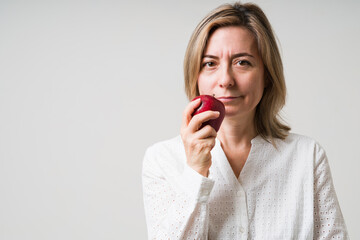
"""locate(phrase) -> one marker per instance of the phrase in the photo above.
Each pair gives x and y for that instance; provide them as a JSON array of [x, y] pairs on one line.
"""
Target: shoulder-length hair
[[268, 122]]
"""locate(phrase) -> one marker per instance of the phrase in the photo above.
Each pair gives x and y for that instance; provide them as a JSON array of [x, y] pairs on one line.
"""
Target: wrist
[[202, 171]]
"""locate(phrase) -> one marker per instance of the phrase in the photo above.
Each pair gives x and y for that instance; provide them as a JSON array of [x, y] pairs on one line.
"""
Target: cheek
[[204, 85], [254, 86], [200, 84], [259, 89]]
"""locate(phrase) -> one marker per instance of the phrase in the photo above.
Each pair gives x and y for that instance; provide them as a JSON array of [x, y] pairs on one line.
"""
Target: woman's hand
[[198, 142]]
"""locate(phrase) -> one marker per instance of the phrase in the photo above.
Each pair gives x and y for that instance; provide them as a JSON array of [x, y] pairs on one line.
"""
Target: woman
[[252, 179]]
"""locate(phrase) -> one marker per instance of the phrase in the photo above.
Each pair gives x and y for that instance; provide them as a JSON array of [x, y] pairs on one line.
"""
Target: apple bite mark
[[210, 103]]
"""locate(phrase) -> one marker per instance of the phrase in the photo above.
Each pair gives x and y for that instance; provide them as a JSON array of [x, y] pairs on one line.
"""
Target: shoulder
[[166, 146], [298, 140], [303, 153], [168, 155], [300, 145]]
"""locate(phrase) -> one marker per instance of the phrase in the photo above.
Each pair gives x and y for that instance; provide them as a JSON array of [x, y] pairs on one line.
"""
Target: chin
[[237, 112], [229, 112]]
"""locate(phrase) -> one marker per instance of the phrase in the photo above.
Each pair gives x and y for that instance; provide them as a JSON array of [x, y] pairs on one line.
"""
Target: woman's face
[[232, 70]]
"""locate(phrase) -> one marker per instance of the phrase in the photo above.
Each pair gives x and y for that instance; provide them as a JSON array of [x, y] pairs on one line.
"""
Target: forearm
[[178, 209], [181, 219], [328, 219]]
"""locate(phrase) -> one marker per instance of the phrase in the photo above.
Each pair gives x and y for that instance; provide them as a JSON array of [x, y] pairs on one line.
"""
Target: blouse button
[[206, 192], [241, 229], [238, 193]]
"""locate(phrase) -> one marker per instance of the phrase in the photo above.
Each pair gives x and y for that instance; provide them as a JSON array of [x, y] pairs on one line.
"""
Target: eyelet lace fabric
[[282, 193]]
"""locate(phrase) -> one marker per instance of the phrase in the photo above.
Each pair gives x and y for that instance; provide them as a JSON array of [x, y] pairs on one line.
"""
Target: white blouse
[[282, 193]]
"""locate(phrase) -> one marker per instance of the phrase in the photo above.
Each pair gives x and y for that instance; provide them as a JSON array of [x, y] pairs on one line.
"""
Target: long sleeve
[[175, 199], [328, 220]]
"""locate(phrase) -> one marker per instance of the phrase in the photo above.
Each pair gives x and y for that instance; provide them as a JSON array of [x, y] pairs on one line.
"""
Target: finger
[[206, 132], [190, 108], [200, 118], [205, 145]]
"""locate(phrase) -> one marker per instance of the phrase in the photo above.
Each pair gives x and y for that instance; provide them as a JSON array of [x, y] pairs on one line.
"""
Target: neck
[[237, 131]]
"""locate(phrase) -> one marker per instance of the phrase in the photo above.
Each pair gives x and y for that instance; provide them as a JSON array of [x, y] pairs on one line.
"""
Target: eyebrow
[[236, 55]]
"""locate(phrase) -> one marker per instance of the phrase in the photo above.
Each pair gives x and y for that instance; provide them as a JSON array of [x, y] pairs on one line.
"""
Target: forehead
[[231, 39]]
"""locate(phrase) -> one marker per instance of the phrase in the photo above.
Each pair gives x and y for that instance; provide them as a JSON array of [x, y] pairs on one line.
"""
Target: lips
[[227, 98]]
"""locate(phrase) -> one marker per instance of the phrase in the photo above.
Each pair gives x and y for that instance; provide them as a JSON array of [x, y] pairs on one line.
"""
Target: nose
[[226, 79]]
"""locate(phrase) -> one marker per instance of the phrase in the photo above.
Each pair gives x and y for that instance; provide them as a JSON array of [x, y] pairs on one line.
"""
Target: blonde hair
[[268, 122]]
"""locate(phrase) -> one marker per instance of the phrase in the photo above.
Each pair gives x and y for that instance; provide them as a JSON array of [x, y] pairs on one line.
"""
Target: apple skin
[[210, 103]]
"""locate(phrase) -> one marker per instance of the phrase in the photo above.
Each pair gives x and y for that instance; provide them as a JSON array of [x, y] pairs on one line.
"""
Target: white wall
[[86, 86]]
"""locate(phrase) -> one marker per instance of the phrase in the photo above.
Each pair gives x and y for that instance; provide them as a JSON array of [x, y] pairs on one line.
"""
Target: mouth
[[225, 99]]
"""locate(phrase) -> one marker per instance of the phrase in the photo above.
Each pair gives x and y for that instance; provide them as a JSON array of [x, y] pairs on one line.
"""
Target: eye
[[208, 64], [243, 63]]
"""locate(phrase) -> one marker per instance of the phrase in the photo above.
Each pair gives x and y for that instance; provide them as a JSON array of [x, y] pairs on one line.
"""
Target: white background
[[86, 86]]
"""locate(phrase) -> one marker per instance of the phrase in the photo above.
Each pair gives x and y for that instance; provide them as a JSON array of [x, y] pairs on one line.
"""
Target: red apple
[[210, 103]]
